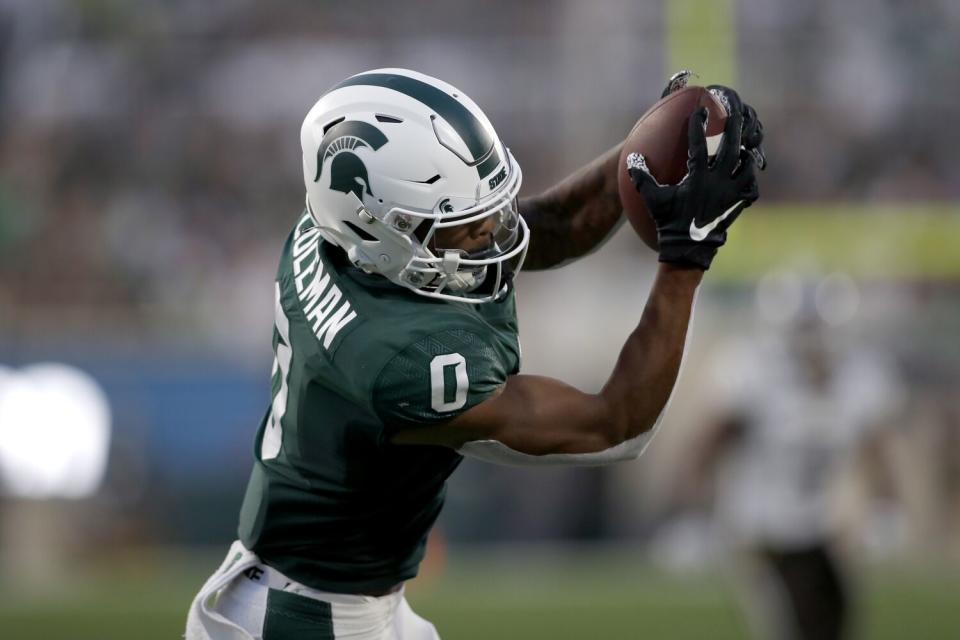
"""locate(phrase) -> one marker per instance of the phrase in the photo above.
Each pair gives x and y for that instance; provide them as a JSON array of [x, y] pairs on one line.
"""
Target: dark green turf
[[482, 595]]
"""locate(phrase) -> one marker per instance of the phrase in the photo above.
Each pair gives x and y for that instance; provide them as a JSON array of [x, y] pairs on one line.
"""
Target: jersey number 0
[[444, 399]]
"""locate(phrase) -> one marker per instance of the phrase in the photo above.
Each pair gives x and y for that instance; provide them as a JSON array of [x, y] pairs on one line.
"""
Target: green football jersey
[[331, 502]]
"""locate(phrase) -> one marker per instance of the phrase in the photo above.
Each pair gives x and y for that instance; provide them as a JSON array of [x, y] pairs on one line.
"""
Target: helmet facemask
[[475, 274]]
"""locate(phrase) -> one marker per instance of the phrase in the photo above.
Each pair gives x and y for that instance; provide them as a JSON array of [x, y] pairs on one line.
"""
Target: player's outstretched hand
[[693, 216], [752, 135]]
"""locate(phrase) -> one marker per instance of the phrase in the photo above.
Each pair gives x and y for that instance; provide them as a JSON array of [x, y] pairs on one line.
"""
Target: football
[[661, 136]]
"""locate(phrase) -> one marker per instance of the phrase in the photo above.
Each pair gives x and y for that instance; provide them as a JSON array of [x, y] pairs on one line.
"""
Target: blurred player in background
[[796, 405], [397, 350]]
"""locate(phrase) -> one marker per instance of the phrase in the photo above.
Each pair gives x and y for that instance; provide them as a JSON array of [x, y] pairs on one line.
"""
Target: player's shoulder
[[406, 332], [312, 298], [745, 372], [419, 361], [440, 373], [322, 290], [423, 360], [869, 382], [377, 343]]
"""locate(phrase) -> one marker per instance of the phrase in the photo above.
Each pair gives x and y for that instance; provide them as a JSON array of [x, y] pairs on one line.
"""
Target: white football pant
[[247, 600]]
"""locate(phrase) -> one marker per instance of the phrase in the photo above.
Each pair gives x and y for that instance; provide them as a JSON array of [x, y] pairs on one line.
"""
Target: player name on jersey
[[322, 302]]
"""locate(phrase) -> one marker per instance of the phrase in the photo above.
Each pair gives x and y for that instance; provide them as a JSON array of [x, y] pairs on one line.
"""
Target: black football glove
[[693, 216], [677, 81], [752, 135]]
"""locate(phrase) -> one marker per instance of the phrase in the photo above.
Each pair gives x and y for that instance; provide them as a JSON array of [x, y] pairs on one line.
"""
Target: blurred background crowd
[[150, 170]]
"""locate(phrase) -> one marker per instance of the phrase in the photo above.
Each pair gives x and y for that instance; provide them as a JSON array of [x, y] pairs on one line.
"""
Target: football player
[[795, 407], [396, 346]]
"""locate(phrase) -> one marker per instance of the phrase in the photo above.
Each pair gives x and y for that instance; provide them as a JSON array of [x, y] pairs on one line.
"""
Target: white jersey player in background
[[796, 406]]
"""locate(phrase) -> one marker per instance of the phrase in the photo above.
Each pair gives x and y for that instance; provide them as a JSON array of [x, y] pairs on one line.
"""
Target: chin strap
[[458, 280]]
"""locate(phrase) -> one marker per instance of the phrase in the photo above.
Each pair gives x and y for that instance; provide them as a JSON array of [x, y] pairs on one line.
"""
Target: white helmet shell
[[392, 155]]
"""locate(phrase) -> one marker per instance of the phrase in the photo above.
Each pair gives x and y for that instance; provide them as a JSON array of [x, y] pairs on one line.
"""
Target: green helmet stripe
[[467, 125]]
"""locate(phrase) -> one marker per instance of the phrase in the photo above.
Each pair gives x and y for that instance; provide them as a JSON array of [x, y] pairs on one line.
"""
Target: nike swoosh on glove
[[693, 216]]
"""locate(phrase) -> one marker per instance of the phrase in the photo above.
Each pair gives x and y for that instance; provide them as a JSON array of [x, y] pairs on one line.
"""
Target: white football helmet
[[390, 157]]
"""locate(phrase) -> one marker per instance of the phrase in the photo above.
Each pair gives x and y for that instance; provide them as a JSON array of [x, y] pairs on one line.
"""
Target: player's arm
[[577, 215], [574, 217], [535, 419], [542, 417]]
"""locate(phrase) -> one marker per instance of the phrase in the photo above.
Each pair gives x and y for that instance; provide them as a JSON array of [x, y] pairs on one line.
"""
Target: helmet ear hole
[[360, 233]]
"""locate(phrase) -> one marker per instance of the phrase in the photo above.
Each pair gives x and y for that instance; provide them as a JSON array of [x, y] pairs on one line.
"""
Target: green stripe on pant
[[294, 617]]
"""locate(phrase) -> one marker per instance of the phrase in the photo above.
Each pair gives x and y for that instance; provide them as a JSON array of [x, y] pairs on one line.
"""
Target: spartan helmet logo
[[348, 174]]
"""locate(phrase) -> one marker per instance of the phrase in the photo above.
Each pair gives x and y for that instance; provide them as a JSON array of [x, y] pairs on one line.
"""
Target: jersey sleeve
[[436, 378]]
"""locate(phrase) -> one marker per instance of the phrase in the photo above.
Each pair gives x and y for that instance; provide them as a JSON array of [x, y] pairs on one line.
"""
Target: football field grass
[[520, 594]]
